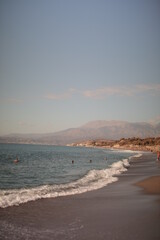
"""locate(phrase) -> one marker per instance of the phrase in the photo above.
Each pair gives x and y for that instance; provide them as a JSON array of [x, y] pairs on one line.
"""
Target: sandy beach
[[128, 209]]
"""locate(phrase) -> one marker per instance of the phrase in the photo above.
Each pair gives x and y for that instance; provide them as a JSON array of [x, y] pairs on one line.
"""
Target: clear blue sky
[[66, 62]]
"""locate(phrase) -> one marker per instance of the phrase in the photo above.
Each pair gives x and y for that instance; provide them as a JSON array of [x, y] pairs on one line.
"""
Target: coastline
[[133, 144], [121, 210]]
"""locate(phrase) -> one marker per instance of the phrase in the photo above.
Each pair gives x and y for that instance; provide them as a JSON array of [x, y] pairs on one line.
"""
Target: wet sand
[[124, 210]]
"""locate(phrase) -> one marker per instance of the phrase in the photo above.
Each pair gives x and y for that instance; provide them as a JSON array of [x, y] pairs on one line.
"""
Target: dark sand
[[119, 211]]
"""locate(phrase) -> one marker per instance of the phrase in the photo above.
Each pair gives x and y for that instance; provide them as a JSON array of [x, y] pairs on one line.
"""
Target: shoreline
[[121, 210], [134, 144], [89, 144], [148, 149]]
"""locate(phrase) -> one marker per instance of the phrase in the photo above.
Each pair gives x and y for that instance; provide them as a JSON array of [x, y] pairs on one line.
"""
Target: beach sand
[[151, 185], [128, 209]]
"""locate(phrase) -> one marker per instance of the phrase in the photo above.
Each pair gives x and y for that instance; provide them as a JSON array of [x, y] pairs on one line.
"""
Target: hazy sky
[[66, 62]]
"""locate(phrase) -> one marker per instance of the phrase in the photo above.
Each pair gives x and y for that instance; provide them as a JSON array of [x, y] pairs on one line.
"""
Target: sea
[[52, 171]]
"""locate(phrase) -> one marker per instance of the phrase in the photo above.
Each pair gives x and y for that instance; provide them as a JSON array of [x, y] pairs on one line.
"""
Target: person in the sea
[[16, 160]]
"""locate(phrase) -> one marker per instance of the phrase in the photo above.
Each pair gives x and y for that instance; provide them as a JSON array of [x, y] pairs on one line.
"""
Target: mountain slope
[[92, 130]]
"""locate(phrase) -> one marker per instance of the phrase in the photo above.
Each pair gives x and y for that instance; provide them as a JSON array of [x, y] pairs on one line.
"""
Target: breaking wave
[[94, 179]]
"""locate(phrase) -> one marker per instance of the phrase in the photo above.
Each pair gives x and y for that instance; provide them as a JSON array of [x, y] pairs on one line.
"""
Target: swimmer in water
[[16, 160]]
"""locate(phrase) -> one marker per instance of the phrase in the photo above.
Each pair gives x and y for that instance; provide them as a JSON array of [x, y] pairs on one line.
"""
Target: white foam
[[94, 179], [121, 150], [138, 155]]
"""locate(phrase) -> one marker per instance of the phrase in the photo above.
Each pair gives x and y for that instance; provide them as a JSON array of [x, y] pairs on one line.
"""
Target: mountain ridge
[[100, 129]]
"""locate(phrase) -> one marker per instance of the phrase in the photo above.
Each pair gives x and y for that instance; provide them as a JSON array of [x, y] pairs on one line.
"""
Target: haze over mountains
[[110, 130]]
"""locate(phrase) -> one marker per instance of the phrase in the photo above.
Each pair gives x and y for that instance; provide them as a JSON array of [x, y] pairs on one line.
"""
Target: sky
[[66, 62]]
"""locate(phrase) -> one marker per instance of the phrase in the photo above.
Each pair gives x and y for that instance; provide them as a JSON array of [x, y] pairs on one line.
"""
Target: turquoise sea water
[[48, 171]]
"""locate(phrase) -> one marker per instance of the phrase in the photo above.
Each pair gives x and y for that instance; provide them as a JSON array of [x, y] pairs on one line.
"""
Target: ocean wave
[[93, 180], [137, 155], [124, 150]]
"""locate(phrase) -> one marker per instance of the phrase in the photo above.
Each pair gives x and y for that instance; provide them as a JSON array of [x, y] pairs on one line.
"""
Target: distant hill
[[111, 130]]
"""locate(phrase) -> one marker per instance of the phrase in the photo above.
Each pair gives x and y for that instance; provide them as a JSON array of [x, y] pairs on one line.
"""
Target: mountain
[[111, 130]]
